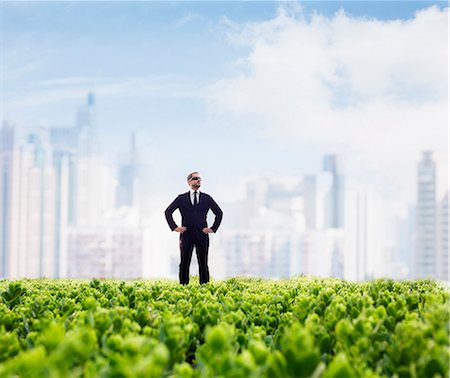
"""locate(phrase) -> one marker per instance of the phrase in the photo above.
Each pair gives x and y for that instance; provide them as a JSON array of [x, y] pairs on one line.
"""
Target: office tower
[[310, 245], [265, 239], [401, 234], [105, 252], [53, 184], [62, 167], [337, 263], [127, 188], [247, 253], [286, 255], [425, 263], [65, 146], [364, 254], [89, 186], [442, 242], [41, 207], [92, 180], [87, 141], [27, 196], [335, 201], [95, 189], [309, 192], [331, 192], [6, 163]]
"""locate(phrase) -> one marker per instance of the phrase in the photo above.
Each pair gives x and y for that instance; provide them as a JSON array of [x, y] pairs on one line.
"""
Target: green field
[[302, 327]]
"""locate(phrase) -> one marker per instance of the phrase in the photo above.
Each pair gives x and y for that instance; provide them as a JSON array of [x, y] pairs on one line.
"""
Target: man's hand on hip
[[180, 229], [208, 231]]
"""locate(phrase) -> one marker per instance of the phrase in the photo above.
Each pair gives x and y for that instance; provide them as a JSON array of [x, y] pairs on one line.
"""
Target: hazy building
[[266, 238], [425, 264], [335, 202], [286, 251], [49, 181], [105, 252], [28, 206], [6, 164], [86, 130], [247, 253], [128, 176], [77, 156], [332, 193], [401, 234], [63, 168], [442, 242], [365, 254], [309, 194]]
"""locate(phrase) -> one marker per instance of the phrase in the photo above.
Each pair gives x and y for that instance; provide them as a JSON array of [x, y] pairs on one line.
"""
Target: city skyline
[[63, 207], [321, 127], [197, 82]]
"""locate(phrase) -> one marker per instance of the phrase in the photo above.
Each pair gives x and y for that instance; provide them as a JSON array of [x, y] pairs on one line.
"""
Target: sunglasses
[[196, 178]]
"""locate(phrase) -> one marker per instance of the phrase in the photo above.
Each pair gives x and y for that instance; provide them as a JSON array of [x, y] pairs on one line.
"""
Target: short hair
[[190, 175]]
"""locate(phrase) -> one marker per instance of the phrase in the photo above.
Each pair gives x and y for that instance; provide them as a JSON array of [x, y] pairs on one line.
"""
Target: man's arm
[[217, 212], [169, 211]]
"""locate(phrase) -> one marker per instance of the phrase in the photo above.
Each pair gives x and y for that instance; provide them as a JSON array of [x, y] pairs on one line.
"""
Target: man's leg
[[201, 248], [186, 248]]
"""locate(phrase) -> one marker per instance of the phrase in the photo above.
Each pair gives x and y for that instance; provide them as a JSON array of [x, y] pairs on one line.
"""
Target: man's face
[[195, 181]]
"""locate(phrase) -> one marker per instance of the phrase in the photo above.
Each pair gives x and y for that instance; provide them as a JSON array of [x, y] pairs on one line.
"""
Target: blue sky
[[237, 88]]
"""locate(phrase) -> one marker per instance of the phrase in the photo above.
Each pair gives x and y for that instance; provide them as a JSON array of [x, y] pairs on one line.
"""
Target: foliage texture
[[241, 327]]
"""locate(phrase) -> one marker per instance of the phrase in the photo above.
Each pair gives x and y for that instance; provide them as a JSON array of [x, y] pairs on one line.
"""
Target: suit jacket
[[194, 217]]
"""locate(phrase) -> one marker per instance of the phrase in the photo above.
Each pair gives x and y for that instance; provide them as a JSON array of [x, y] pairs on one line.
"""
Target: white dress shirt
[[192, 196]]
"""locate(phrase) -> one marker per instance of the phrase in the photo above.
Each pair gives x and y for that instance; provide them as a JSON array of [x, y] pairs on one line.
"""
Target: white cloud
[[376, 90]]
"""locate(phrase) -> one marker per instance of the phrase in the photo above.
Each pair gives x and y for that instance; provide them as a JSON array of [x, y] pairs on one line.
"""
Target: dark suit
[[194, 219]]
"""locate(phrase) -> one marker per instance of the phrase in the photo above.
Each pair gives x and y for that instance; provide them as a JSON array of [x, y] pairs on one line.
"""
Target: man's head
[[194, 180]]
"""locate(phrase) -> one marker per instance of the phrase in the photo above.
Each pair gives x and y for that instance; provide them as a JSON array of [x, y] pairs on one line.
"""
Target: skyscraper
[[88, 144], [335, 201], [425, 263], [27, 206], [334, 207], [127, 179], [56, 194], [364, 249], [442, 252], [6, 157]]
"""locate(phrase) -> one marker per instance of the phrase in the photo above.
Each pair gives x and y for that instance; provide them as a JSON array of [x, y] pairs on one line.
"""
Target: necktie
[[195, 198]]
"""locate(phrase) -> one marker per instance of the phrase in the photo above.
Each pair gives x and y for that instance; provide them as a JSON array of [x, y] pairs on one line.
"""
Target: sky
[[238, 88]]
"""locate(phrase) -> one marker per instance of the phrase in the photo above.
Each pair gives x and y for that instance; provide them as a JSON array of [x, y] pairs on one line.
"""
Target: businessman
[[194, 231]]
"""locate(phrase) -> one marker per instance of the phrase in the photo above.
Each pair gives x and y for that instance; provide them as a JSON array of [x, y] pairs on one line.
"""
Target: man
[[194, 231]]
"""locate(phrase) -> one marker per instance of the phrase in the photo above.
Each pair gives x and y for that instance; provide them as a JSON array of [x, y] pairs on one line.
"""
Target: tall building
[[266, 238], [41, 208], [6, 163], [443, 230], [400, 231], [425, 264], [77, 152], [56, 194], [365, 255], [28, 212], [63, 170], [105, 252], [127, 188], [86, 131], [309, 193], [247, 253], [333, 214], [336, 199]]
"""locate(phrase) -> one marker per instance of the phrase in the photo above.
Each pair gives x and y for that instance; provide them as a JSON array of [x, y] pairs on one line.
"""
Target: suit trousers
[[187, 244]]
